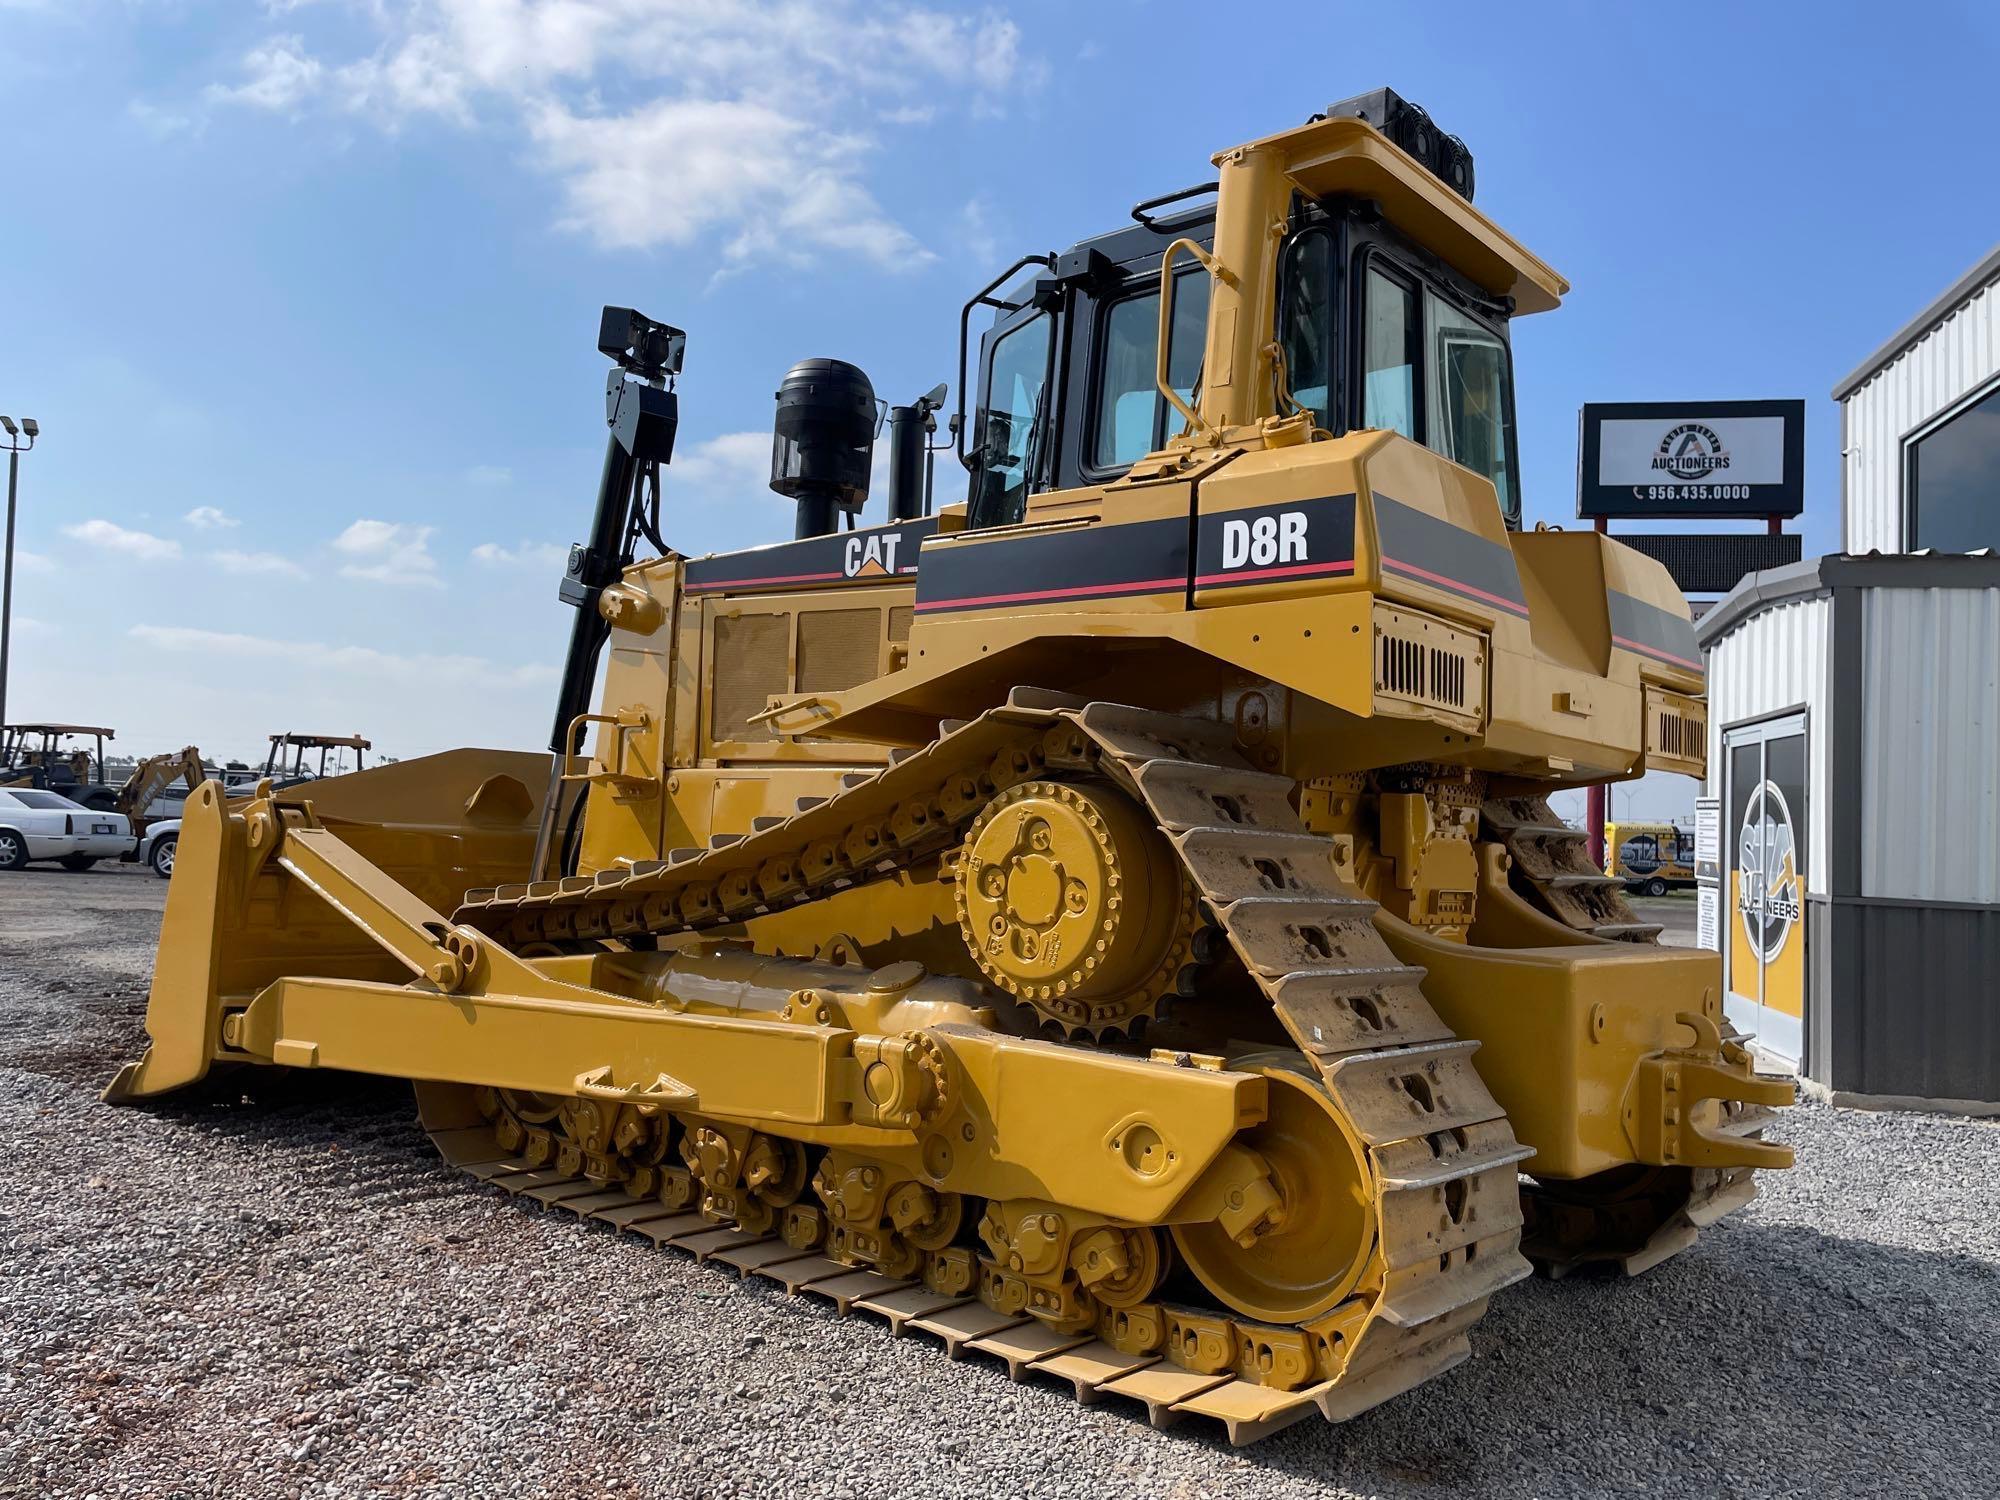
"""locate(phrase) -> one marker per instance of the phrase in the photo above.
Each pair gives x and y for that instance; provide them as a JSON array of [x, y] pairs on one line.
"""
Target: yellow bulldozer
[[1114, 923]]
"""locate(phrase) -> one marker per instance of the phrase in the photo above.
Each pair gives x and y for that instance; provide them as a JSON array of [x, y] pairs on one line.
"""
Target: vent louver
[[1423, 662], [1676, 733]]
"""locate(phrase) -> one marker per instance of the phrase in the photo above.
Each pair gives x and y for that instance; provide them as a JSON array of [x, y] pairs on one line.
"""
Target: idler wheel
[[1314, 1255]]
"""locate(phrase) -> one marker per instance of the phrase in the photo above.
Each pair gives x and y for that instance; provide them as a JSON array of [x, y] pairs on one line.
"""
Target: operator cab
[[1377, 332], [293, 747]]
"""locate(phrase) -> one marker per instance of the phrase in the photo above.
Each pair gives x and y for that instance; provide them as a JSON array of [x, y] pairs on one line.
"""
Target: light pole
[[29, 429]]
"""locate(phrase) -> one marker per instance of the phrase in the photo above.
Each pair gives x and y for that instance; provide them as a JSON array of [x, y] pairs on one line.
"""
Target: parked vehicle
[[53, 758], [156, 846], [1651, 858], [238, 780], [35, 824]]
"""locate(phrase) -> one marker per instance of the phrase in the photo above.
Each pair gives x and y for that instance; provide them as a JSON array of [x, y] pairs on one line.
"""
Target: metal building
[[1854, 745], [1928, 395], [1854, 741]]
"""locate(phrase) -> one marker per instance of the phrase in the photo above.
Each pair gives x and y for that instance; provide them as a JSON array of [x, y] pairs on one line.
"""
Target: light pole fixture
[[29, 429]]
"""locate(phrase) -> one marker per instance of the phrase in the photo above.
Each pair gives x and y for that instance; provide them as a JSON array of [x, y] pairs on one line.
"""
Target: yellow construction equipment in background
[[1114, 923], [152, 777]]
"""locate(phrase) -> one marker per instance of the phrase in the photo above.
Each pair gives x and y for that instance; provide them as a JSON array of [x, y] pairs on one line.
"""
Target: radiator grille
[[1410, 669], [750, 670], [899, 623], [838, 648], [1679, 734], [1676, 733], [1421, 660]]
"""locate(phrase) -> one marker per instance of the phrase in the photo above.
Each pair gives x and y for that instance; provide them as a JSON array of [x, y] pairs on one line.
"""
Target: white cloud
[[530, 554], [27, 625], [161, 124], [669, 124], [735, 463], [115, 538], [252, 564], [388, 552], [277, 75], [204, 517], [784, 187], [489, 476], [32, 562], [360, 661]]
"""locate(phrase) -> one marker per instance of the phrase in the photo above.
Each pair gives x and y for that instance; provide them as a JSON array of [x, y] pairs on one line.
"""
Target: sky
[[305, 292]]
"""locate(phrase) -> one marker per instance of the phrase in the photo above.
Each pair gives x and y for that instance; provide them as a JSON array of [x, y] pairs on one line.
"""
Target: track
[[1440, 1160], [1553, 860], [1637, 1218]]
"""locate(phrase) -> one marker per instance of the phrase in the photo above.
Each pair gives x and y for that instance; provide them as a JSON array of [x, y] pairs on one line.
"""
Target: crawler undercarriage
[[1258, 1176]]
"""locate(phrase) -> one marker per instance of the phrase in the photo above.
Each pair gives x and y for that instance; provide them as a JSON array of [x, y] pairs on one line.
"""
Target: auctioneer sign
[[1694, 458]]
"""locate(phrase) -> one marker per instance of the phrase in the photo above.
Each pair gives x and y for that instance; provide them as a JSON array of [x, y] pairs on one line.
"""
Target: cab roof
[[1347, 157], [330, 741]]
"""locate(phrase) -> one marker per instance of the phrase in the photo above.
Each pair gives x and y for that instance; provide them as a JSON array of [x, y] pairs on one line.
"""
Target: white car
[[42, 825], [157, 845]]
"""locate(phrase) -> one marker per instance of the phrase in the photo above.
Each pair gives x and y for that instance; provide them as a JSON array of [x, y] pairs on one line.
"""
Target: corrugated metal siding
[[1930, 724], [1912, 1011], [1959, 355], [1773, 660]]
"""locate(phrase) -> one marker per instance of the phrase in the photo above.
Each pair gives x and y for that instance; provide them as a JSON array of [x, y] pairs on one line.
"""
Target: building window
[[1954, 480]]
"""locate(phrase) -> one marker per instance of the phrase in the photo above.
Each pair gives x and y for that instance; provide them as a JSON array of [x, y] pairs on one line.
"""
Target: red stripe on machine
[[1144, 586], [756, 583], [1295, 570], [1455, 585], [1660, 651]]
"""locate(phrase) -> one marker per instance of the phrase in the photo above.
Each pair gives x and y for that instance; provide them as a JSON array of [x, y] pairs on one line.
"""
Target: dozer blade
[[435, 827]]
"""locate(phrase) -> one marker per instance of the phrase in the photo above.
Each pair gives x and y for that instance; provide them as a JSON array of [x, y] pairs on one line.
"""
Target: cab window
[[1132, 416], [1010, 429], [1390, 342], [1471, 400], [1307, 324]]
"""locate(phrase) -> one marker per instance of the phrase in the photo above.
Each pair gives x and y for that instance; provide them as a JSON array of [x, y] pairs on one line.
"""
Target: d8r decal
[[1271, 543], [1265, 540]]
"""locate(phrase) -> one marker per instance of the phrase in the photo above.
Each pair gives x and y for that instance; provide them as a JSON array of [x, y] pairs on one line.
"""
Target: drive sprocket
[[1071, 900]]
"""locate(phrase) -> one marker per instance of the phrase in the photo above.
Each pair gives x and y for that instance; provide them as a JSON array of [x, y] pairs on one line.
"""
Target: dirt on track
[[271, 1287]]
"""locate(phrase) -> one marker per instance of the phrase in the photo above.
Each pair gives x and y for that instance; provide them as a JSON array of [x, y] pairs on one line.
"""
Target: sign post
[[1693, 461]]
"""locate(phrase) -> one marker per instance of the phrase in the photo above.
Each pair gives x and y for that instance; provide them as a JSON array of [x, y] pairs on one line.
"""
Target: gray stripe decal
[[1418, 545], [1652, 631]]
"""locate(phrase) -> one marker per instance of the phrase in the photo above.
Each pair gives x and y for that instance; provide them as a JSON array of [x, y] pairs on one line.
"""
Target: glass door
[[1764, 850]]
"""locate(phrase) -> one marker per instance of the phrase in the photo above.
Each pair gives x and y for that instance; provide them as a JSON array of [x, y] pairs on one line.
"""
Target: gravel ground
[[287, 1295]]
